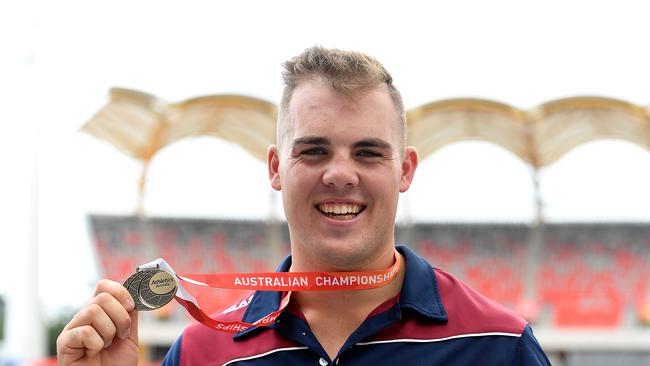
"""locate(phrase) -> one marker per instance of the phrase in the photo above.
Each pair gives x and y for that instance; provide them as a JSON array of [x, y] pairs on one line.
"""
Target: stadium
[[584, 286], [531, 120]]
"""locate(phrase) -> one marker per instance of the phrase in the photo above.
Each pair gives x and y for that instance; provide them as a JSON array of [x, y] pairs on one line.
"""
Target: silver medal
[[151, 288], [157, 288]]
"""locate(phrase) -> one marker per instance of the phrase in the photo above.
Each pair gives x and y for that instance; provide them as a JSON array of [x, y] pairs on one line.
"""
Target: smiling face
[[340, 167]]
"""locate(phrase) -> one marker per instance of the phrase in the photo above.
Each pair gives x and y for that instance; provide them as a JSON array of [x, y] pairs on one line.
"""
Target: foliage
[[54, 328]]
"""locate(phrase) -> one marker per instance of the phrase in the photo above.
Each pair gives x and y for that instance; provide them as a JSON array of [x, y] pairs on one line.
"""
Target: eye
[[314, 151], [368, 154]]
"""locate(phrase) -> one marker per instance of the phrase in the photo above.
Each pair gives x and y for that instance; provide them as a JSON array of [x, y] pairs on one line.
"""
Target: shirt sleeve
[[529, 352], [173, 356]]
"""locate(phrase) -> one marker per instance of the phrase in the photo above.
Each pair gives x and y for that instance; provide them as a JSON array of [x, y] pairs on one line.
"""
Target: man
[[340, 162]]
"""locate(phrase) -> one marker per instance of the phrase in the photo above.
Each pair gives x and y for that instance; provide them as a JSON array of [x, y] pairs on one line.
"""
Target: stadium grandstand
[[587, 291]]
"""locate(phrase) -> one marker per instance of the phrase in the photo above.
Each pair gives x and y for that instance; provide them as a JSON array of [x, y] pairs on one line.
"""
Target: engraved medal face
[[151, 288], [157, 288]]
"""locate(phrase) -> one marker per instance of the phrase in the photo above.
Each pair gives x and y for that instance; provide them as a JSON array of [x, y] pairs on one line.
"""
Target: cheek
[[381, 190], [296, 183], [301, 173]]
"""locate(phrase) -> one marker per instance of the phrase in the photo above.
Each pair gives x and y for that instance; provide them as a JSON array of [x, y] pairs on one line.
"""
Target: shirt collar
[[419, 293]]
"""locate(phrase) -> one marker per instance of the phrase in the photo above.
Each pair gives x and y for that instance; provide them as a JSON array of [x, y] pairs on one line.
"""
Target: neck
[[334, 315], [349, 301]]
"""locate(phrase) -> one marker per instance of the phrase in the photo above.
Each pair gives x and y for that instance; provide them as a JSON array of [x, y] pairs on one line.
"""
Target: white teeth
[[339, 209]]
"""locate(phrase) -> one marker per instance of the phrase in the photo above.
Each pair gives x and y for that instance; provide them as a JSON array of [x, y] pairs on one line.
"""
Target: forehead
[[316, 109]]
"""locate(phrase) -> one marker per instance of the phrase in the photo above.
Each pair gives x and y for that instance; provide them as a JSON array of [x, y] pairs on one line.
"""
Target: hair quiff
[[347, 72]]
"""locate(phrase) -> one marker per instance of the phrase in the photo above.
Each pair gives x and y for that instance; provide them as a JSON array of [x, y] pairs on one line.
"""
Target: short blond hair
[[347, 72]]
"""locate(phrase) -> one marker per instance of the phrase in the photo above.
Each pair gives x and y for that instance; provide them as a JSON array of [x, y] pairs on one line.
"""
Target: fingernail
[[126, 333], [129, 304], [108, 344]]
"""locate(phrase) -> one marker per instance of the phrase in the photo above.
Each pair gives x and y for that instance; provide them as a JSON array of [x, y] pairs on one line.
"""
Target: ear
[[409, 164], [273, 162]]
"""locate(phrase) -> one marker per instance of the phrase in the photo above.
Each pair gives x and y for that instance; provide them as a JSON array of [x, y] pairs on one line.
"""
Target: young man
[[340, 163]]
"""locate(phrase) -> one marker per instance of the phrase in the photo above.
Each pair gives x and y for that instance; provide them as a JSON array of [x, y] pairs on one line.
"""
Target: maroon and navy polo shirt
[[435, 320]]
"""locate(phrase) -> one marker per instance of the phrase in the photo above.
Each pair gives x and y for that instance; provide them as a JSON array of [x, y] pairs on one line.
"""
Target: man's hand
[[104, 332]]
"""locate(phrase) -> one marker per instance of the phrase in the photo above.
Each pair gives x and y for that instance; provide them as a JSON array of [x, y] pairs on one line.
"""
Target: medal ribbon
[[270, 281]]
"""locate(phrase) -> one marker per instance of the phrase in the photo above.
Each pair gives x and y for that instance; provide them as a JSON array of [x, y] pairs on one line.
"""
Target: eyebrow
[[373, 142], [316, 140], [310, 140]]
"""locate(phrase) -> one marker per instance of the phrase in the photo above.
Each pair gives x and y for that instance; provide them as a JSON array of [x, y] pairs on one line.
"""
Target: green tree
[[54, 328]]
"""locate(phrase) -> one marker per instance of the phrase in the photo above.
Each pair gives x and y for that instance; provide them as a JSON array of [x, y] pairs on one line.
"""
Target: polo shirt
[[435, 320]]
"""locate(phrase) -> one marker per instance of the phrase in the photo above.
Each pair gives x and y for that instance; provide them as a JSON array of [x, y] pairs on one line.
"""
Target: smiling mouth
[[340, 211]]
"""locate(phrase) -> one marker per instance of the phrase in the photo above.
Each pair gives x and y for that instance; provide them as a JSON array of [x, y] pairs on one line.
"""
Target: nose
[[341, 172]]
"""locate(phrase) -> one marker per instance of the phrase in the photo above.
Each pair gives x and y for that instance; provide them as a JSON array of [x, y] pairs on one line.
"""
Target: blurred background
[[532, 118]]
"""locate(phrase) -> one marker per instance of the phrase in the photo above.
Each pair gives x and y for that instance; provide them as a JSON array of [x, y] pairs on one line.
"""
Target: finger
[[74, 343], [115, 311], [116, 290], [101, 322], [133, 331], [106, 313], [120, 293]]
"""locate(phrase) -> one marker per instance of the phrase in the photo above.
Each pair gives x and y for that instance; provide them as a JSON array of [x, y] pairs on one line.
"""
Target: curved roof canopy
[[140, 124], [539, 136]]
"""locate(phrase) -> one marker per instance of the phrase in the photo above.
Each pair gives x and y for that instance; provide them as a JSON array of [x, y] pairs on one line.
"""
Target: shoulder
[[442, 297], [470, 312], [529, 351]]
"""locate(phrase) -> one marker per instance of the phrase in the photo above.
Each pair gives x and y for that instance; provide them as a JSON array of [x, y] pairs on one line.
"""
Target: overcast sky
[[59, 59]]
